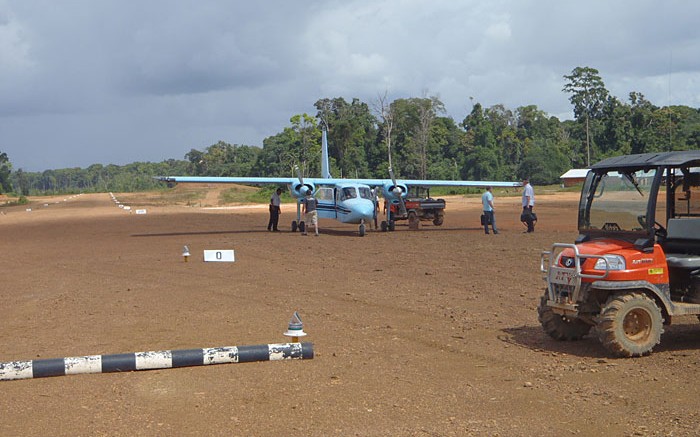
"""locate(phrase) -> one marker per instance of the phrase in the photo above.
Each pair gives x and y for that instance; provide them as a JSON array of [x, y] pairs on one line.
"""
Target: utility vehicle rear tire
[[560, 327], [437, 221], [413, 221], [630, 324], [384, 226]]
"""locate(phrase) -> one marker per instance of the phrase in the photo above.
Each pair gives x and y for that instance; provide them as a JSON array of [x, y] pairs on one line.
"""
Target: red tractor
[[636, 262]]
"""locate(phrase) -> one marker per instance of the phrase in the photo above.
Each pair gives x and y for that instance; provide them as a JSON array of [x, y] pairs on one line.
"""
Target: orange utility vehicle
[[636, 262]]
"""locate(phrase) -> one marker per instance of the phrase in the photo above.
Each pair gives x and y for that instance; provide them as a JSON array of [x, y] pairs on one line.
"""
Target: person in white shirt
[[528, 217], [275, 210]]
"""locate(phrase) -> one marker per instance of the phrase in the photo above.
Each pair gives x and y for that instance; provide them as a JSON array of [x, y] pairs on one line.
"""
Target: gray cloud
[[85, 82]]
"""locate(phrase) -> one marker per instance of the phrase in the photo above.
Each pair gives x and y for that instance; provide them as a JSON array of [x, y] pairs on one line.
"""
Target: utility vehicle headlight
[[615, 262]]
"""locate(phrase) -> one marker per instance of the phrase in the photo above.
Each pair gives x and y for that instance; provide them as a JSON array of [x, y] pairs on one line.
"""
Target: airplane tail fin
[[325, 167]]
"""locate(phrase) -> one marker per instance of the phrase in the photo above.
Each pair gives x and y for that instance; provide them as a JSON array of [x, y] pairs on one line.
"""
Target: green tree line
[[417, 139]]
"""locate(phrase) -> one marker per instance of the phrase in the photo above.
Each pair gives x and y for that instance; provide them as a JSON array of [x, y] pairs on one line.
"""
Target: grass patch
[[21, 200], [263, 195], [172, 196], [243, 195]]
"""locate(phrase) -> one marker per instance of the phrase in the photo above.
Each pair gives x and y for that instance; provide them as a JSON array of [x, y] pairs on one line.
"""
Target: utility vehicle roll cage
[[672, 170]]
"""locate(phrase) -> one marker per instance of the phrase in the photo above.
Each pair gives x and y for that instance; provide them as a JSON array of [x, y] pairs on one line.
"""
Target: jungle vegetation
[[490, 143]]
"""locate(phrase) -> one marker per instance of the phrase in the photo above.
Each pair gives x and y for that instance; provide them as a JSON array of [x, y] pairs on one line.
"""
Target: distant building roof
[[575, 173]]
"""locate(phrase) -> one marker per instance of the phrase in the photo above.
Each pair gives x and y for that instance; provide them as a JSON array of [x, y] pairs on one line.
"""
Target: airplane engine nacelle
[[394, 192], [299, 190]]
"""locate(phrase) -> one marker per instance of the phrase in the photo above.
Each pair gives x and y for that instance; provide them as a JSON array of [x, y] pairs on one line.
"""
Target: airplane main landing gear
[[388, 226], [300, 226]]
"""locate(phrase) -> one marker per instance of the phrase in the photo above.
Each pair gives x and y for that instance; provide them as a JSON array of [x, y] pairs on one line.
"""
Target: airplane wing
[[227, 180], [332, 181], [435, 183]]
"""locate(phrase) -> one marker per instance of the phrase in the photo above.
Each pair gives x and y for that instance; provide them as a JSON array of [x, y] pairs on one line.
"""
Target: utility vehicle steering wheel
[[659, 230]]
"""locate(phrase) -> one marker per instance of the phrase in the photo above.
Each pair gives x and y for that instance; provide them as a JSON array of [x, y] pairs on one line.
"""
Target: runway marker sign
[[219, 256]]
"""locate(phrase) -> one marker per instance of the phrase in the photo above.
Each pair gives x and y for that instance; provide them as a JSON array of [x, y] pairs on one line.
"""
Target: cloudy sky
[[114, 81]]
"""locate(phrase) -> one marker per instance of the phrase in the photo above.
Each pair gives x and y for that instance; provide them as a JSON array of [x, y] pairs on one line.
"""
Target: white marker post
[[219, 256]]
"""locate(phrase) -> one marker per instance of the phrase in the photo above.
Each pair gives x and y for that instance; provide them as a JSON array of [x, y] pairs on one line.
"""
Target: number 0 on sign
[[219, 256]]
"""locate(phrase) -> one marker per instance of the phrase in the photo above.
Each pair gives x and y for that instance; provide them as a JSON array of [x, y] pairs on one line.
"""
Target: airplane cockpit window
[[348, 193], [365, 193]]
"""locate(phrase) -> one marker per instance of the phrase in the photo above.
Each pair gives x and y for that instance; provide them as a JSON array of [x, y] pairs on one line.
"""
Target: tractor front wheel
[[560, 327], [630, 324]]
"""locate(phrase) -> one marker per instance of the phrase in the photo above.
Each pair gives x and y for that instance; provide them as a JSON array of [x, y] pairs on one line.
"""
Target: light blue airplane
[[346, 200]]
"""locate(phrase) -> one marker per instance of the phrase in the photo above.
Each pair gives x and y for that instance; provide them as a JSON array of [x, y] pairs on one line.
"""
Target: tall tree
[[384, 109], [5, 170], [306, 142], [588, 95], [352, 135]]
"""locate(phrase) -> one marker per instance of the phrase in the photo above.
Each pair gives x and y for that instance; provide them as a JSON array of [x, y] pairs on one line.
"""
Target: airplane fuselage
[[347, 203]]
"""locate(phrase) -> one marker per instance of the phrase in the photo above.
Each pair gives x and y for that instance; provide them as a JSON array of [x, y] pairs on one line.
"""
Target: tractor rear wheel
[[560, 327], [413, 221], [630, 324]]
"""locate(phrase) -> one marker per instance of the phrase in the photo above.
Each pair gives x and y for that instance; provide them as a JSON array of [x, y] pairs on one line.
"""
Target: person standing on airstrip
[[527, 216], [489, 215], [275, 209], [309, 204]]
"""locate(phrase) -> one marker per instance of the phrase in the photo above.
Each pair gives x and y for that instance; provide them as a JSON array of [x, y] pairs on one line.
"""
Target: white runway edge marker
[[154, 360]]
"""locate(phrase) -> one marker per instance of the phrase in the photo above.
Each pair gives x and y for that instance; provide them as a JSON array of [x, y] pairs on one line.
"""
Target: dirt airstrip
[[416, 333]]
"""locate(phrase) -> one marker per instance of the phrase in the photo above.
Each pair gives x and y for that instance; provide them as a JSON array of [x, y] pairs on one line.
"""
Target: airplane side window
[[324, 194]]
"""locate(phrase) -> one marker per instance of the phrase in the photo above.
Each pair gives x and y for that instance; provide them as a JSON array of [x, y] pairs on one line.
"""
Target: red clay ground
[[425, 333]]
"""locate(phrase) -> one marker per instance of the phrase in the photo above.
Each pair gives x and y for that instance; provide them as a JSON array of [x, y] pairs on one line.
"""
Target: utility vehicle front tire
[[630, 324], [560, 327]]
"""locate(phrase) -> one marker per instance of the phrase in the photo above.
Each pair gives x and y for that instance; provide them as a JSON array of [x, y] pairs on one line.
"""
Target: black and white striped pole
[[154, 360]]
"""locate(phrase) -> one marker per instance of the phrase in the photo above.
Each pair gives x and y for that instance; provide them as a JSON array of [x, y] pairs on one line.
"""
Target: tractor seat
[[682, 243]]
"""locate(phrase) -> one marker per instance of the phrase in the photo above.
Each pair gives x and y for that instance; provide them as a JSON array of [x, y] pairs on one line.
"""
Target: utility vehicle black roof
[[650, 160]]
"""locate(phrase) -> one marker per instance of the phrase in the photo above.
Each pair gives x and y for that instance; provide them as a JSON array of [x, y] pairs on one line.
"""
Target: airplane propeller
[[299, 175], [398, 193], [301, 188]]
